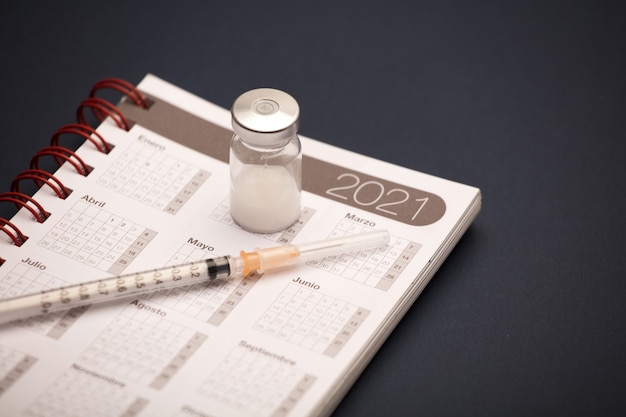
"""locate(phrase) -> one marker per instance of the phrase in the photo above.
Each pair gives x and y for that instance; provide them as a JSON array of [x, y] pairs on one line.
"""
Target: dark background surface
[[524, 100]]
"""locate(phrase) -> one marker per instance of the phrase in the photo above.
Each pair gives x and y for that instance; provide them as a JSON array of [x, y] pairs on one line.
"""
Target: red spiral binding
[[123, 87], [101, 109], [22, 200], [41, 177], [60, 153], [85, 131], [13, 232]]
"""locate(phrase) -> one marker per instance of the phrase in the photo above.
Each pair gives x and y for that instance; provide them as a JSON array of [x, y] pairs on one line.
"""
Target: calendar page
[[274, 343]]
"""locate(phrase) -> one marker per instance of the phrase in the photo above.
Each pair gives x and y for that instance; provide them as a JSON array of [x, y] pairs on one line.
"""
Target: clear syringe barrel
[[266, 259], [113, 288]]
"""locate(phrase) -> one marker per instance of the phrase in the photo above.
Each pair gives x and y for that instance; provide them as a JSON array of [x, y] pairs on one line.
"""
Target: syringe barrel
[[112, 288]]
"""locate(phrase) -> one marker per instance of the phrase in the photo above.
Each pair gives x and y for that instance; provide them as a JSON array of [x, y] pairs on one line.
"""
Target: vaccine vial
[[265, 161]]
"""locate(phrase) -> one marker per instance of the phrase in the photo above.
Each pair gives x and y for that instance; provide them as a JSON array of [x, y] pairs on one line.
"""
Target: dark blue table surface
[[525, 101]]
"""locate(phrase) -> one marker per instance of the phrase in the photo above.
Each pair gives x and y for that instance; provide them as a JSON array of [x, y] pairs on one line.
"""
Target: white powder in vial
[[264, 199]]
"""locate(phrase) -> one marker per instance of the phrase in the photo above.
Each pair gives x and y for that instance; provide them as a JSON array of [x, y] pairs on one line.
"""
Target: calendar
[[268, 342], [254, 381], [211, 302], [107, 396], [13, 365], [310, 319], [30, 276], [377, 268], [147, 174], [97, 237], [141, 345]]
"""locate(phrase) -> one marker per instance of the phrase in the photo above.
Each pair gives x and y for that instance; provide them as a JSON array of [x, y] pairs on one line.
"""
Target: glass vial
[[265, 161]]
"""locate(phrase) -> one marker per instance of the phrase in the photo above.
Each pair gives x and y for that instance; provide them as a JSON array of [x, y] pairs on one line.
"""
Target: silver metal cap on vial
[[265, 116]]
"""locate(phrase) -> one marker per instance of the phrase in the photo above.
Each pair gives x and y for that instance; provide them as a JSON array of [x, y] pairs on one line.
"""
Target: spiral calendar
[[148, 186]]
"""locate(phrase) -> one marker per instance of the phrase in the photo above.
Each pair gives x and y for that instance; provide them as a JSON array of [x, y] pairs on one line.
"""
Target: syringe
[[107, 289]]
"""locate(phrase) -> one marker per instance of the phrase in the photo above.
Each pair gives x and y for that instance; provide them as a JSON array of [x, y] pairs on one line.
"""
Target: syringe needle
[[112, 288]]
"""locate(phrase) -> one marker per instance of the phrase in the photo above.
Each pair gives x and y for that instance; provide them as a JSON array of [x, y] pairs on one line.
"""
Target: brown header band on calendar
[[183, 127], [356, 189], [375, 195]]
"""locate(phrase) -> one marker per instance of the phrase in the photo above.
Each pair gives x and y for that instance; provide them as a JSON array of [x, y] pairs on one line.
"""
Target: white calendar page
[[287, 343]]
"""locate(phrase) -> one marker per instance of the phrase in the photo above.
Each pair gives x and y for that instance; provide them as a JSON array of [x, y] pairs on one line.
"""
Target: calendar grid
[[28, 278], [378, 268], [13, 365], [147, 174], [81, 392], [211, 302], [98, 238], [294, 396], [257, 382], [141, 345], [179, 360], [312, 320]]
